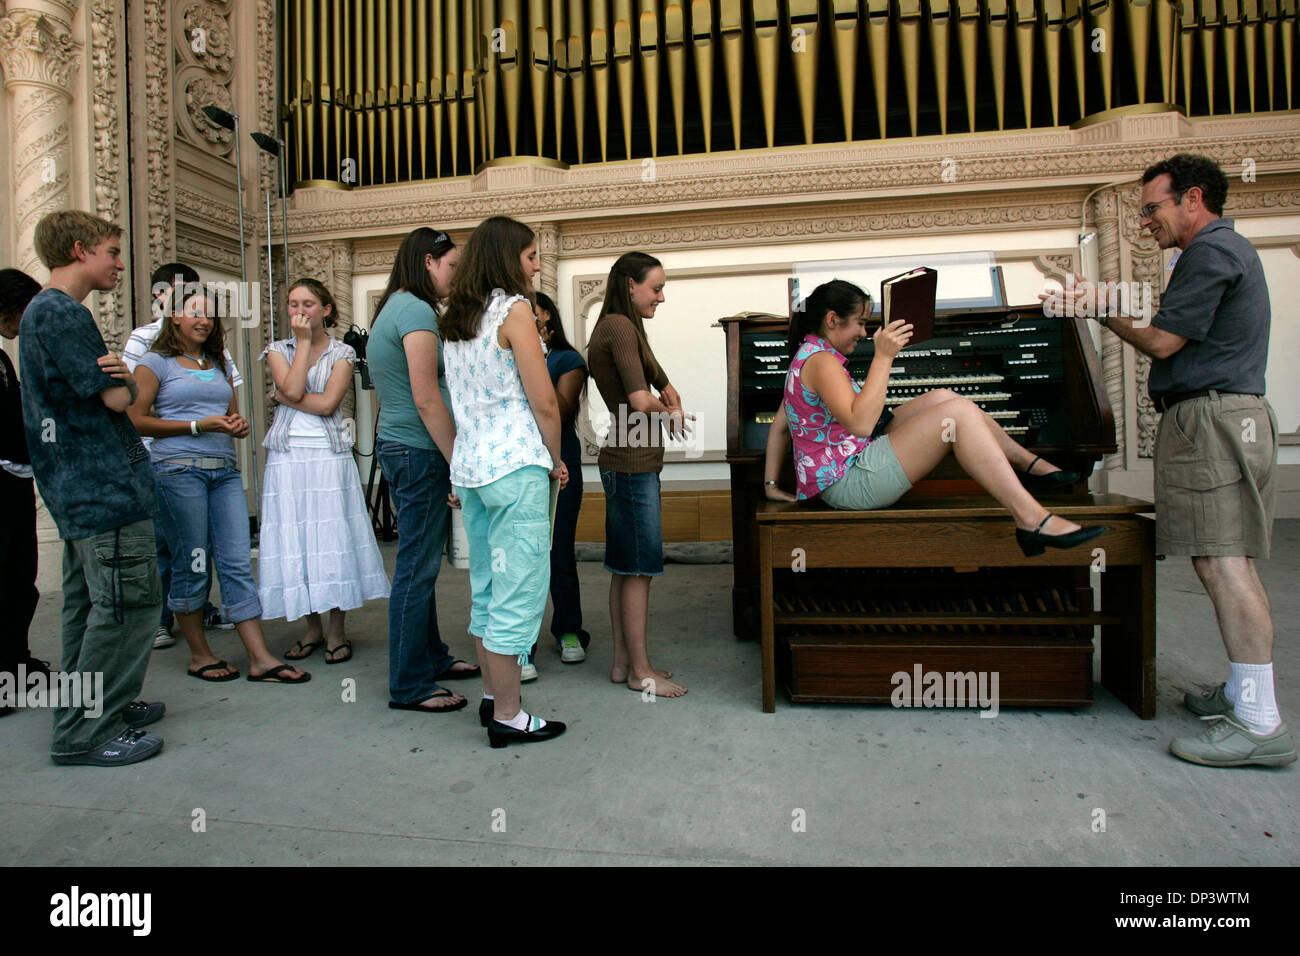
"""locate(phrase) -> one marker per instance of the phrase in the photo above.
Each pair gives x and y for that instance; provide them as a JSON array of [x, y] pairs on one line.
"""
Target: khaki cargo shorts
[[1214, 485]]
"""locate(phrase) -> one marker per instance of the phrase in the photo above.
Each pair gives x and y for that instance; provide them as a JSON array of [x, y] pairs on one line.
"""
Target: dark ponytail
[[842, 298]]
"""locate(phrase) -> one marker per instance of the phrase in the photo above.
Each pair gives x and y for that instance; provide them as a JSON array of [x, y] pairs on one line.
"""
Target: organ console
[[1040, 377]]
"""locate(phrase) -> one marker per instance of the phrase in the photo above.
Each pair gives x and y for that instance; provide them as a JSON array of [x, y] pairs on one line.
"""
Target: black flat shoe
[[500, 734], [1050, 482], [1034, 543]]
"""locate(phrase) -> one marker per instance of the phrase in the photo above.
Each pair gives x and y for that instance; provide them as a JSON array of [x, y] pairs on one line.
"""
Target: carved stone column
[[39, 58], [340, 284], [1145, 267], [1105, 215], [548, 250]]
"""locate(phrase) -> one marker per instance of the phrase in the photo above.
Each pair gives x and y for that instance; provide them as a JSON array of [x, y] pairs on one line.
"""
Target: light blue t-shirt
[[399, 421], [188, 395]]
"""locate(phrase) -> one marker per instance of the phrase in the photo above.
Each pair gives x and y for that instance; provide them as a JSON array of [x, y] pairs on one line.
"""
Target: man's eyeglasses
[[1146, 211]]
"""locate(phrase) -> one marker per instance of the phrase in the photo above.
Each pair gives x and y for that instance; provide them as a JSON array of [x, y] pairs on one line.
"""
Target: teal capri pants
[[874, 479], [508, 525]]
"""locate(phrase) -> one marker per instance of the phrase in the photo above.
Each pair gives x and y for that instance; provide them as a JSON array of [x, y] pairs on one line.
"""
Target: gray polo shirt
[[1217, 299]]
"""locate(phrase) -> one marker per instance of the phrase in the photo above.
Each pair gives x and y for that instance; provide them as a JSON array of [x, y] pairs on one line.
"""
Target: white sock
[[488, 697], [1233, 682], [524, 721], [1255, 702]]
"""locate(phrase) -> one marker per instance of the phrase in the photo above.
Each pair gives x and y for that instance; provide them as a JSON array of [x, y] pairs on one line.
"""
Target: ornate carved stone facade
[[40, 59]]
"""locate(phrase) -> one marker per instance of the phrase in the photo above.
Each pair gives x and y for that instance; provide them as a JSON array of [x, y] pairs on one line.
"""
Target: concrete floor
[[294, 775]]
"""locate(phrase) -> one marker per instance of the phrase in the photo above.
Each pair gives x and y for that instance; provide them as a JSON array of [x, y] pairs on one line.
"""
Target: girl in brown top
[[625, 370]]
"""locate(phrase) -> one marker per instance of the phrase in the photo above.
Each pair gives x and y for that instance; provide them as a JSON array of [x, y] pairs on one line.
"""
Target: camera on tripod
[[358, 339]]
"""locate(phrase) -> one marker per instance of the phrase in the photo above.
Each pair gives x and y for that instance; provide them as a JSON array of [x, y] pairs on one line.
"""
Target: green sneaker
[[1213, 704], [571, 651], [1227, 742]]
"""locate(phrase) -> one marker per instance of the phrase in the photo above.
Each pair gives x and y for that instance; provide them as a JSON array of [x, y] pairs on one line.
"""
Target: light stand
[[230, 121], [276, 148]]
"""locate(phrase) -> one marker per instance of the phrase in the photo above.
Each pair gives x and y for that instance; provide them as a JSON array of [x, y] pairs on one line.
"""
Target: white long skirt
[[317, 547]]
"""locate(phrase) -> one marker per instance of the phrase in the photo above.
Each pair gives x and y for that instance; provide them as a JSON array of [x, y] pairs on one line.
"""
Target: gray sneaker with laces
[[1215, 703], [129, 747], [1227, 742]]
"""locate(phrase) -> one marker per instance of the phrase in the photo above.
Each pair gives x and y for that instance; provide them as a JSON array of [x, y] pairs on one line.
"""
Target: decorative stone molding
[[38, 48], [1145, 267], [266, 105], [39, 57], [158, 152], [201, 251], [1105, 216], [202, 72], [108, 138], [216, 53], [209, 210], [548, 248], [197, 91], [1003, 161]]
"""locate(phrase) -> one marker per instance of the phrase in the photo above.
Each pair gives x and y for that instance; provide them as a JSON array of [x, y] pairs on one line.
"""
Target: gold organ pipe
[[996, 25], [438, 38], [451, 85], [1209, 10], [1287, 23], [1026, 28], [649, 49], [577, 69], [310, 87], [675, 54], [767, 27], [511, 80], [470, 66], [878, 53], [1137, 14], [598, 56], [1270, 18], [1250, 20], [540, 57], [623, 68], [731, 32], [1187, 39], [1074, 27], [1054, 26], [702, 41], [804, 15], [1231, 17], [1103, 17], [1167, 34], [844, 41], [371, 102], [909, 36], [385, 93], [340, 81], [489, 48], [294, 84], [559, 71], [968, 36], [355, 99], [408, 89]]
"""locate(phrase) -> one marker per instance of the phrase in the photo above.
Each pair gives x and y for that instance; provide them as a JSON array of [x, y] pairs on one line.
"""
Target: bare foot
[[442, 702], [618, 674], [656, 686]]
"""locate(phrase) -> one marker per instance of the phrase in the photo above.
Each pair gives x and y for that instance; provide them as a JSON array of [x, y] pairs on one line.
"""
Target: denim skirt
[[634, 542]]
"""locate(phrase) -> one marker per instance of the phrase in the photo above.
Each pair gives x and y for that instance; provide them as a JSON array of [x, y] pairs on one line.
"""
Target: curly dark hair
[[1192, 169]]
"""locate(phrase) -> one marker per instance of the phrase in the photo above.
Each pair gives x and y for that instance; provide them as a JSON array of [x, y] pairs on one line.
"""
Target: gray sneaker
[[1212, 704], [163, 638], [129, 747], [1227, 742], [139, 713]]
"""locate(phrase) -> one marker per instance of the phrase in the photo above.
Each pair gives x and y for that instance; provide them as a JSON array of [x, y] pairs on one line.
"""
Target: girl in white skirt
[[317, 545]]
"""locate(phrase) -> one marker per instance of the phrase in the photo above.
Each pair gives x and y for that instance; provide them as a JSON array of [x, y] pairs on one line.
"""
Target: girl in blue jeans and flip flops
[[507, 452]]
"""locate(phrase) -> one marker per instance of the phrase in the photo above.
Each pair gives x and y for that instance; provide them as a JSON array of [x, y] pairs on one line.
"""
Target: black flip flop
[[307, 650], [444, 692], [218, 666], [269, 677], [450, 674], [346, 645]]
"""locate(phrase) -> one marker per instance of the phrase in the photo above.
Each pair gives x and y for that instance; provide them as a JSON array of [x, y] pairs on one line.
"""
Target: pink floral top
[[823, 448]]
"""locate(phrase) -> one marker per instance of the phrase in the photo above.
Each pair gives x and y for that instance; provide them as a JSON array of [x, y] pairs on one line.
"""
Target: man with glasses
[[1217, 447]]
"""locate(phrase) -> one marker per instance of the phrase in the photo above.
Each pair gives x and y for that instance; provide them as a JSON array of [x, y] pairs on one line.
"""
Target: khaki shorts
[[1214, 464]]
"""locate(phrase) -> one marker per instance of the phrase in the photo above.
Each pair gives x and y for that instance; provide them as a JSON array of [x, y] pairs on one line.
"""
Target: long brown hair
[[409, 273], [618, 297], [214, 346], [490, 261]]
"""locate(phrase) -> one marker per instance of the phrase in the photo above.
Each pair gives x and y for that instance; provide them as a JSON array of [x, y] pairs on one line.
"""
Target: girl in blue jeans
[[507, 444], [187, 405], [413, 445]]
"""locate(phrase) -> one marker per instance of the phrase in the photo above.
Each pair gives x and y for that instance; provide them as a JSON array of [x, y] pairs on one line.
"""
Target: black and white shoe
[[140, 713]]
